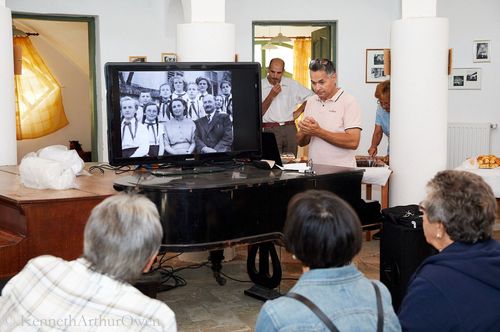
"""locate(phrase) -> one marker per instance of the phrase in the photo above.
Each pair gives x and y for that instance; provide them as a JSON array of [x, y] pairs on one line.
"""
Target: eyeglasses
[[322, 62]]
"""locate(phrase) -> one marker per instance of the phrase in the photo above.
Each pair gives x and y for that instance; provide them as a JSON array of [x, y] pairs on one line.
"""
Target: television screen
[[182, 113]]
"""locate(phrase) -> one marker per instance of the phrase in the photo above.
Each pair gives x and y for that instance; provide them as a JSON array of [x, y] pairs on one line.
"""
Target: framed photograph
[[375, 66], [465, 79], [137, 58], [481, 51], [168, 57]]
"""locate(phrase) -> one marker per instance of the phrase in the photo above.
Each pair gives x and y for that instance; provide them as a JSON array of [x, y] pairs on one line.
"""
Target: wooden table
[[36, 222]]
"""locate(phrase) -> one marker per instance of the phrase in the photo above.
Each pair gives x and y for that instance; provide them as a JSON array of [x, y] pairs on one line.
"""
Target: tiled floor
[[204, 305]]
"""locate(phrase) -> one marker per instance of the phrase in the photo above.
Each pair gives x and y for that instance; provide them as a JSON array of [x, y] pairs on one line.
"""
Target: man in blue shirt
[[382, 120]]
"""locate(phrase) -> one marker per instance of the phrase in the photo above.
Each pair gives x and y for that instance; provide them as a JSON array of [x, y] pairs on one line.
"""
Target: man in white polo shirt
[[281, 97], [332, 119]]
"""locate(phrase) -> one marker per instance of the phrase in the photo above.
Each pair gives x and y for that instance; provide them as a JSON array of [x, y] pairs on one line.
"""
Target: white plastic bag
[[69, 158], [53, 167]]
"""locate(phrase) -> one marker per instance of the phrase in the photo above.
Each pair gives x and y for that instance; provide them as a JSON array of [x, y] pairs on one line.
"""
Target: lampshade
[[269, 46], [280, 39]]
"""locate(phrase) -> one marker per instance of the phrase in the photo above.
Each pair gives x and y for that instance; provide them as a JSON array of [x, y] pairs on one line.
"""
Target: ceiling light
[[280, 39], [269, 46]]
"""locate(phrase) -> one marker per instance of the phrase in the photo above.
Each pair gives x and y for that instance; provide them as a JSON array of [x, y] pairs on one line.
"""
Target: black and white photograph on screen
[[465, 79], [175, 112], [481, 50]]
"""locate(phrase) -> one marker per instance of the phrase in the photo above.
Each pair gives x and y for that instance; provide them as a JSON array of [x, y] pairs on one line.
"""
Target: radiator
[[467, 140]]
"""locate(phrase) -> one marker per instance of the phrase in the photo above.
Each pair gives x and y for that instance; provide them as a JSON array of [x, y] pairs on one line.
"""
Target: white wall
[[469, 21], [148, 28]]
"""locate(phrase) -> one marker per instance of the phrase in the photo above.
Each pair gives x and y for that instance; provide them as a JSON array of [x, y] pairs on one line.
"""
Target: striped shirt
[[51, 294]]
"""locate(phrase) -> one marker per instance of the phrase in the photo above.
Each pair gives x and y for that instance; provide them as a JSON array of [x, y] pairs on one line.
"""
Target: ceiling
[[287, 30]]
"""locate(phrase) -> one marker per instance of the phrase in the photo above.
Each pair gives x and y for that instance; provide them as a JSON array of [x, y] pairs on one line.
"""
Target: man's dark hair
[[322, 64]]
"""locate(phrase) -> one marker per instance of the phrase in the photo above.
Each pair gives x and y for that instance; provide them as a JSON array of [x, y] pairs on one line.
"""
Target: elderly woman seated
[[324, 233], [459, 288]]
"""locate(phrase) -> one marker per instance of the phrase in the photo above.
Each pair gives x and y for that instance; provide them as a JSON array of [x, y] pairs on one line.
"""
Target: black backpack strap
[[314, 308], [380, 309]]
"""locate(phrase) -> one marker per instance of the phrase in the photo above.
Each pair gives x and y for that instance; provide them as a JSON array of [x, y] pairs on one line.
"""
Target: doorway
[[294, 41], [67, 46]]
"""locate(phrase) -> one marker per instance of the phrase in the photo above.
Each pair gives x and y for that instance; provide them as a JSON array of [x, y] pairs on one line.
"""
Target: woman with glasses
[[459, 288], [382, 120]]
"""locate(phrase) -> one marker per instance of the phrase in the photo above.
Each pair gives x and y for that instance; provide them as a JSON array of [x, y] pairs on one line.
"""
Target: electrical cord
[[117, 169], [170, 278]]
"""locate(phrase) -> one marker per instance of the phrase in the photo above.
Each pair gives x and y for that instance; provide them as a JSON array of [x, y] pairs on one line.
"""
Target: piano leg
[[216, 257], [264, 281]]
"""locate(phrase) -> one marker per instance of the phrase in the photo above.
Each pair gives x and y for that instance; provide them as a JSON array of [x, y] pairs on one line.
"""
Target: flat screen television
[[183, 114]]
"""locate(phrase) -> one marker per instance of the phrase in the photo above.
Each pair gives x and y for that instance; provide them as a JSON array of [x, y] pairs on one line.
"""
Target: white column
[[419, 105], [205, 36], [8, 144]]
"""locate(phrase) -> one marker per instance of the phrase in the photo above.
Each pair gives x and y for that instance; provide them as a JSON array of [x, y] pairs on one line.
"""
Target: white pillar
[[205, 36], [419, 105], [8, 144]]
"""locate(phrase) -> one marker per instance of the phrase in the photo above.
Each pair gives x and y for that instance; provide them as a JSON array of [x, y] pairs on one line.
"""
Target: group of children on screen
[[146, 130]]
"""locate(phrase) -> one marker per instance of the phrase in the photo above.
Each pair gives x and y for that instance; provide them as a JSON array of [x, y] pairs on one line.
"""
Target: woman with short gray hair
[[459, 288]]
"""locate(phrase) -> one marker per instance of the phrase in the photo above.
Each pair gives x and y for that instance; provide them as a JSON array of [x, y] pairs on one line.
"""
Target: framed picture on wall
[[374, 71], [168, 57], [465, 79], [137, 58], [481, 51]]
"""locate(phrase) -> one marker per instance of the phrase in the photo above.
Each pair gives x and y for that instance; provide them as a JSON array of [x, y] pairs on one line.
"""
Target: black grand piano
[[242, 205]]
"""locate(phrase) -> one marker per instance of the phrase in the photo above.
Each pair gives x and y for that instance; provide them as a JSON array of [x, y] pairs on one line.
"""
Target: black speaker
[[402, 249]]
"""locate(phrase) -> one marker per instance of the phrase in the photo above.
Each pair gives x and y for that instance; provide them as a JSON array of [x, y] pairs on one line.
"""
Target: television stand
[[193, 168], [179, 171]]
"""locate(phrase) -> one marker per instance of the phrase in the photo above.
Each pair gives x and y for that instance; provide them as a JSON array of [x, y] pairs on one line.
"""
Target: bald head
[[275, 71], [278, 62]]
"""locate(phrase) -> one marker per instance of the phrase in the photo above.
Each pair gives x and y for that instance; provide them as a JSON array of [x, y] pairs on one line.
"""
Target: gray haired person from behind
[[121, 240]]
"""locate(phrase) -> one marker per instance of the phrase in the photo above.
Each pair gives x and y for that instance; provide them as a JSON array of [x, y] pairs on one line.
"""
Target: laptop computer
[[270, 149]]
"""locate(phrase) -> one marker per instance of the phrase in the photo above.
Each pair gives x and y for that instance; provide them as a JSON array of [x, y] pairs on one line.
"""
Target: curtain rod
[[20, 33]]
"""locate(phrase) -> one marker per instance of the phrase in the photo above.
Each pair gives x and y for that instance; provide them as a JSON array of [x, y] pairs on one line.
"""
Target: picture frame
[[137, 58], [374, 70], [481, 51], [169, 57], [465, 79]]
